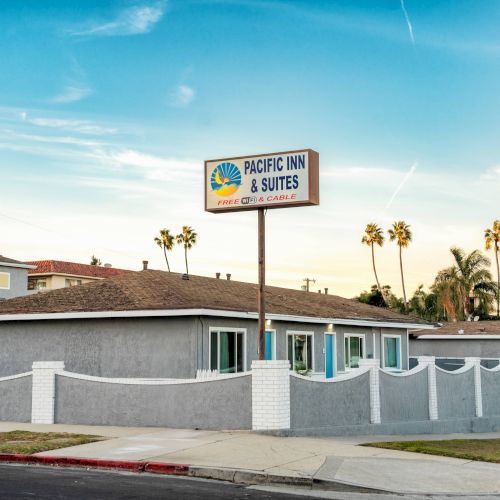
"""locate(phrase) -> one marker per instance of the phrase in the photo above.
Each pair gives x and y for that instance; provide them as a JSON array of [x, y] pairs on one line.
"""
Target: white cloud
[[135, 20], [72, 93], [80, 126], [400, 186], [157, 168], [182, 96], [408, 22], [359, 172], [493, 174]]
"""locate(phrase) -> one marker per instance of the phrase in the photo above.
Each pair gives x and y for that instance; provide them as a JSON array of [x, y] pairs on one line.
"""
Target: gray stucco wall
[[373, 342], [153, 347], [455, 348], [132, 347], [372, 338], [404, 398], [18, 282], [15, 399], [221, 404], [490, 385], [281, 327], [455, 394], [320, 404]]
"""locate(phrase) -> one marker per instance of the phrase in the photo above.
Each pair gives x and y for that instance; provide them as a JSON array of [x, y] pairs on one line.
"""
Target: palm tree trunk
[[498, 280], [166, 258], [375, 273], [402, 275], [186, 258]]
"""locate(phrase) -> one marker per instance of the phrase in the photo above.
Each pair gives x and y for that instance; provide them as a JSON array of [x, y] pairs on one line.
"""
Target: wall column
[[430, 362], [476, 363], [270, 395], [374, 366], [44, 391]]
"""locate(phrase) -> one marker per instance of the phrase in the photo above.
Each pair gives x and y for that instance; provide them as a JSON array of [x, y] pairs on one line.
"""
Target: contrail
[[401, 184], [408, 22]]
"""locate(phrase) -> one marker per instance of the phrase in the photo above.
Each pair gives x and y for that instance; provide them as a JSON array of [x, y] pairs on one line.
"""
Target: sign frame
[[313, 181]]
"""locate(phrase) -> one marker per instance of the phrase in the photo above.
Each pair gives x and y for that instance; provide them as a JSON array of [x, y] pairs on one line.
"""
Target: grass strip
[[484, 450], [28, 443]]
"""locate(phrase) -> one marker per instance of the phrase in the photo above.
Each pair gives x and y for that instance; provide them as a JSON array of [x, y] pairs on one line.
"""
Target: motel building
[[155, 324]]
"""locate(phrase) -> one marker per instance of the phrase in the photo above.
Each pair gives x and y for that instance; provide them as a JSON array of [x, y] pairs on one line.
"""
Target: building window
[[227, 350], [392, 352], [301, 350], [5, 281], [37, 284], [72, 282], [354, 350]]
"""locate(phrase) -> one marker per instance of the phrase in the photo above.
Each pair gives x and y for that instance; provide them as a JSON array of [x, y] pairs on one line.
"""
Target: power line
[[65, 235]]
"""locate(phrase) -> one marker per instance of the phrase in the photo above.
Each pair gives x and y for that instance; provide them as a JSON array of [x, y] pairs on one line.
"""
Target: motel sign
[[273, 180]]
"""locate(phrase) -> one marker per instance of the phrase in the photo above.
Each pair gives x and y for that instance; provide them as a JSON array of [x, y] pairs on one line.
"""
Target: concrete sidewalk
[[219, 454]]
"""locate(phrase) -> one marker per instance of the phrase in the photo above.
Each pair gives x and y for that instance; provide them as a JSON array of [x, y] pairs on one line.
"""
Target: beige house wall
[[58, 281]]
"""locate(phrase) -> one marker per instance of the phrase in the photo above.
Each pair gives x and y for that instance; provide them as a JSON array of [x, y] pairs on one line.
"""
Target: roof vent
[[326, 291], [217, 275], [228, 276], [144, 265], [185, 276], [319, 291], [108, 265]]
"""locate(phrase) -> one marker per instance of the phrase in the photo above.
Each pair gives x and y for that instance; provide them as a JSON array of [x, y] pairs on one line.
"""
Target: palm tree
[[374, 236], [188, 239], [401, 233], [166, 242], [447, 297], [473, 278], [492, 239]]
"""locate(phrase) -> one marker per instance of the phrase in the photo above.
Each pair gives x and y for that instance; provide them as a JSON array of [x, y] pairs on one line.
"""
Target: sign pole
[[262, 281]]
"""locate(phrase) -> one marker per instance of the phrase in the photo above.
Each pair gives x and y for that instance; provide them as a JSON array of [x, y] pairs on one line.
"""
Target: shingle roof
[[150, 290], [465, 327], [74, 268]]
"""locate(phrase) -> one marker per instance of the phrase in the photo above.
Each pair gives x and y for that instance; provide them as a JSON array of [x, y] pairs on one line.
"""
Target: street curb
[[97, 463], [250, 477], [237, 476]]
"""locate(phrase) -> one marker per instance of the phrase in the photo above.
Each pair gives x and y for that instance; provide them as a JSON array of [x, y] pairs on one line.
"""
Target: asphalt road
[[28, 482]]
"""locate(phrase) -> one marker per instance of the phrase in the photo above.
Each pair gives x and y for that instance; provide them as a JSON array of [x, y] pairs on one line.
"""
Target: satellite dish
[[476, 318]]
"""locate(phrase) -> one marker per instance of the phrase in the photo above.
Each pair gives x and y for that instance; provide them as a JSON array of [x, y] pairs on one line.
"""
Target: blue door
[[329, 356], [268, 340]]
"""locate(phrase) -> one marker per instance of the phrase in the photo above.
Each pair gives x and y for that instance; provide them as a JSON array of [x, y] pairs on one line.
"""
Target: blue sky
[[107, 110]]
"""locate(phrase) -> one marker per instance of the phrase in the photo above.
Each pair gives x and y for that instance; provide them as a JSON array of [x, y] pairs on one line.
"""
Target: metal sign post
[[262, 281]]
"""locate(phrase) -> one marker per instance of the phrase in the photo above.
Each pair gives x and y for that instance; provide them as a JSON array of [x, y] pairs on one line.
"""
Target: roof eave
[[459, 336], [211, 312], [20, 265]]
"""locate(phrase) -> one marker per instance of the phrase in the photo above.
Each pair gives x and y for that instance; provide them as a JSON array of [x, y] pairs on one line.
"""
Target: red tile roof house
[[53, 274], [453, 341], [158, 324]]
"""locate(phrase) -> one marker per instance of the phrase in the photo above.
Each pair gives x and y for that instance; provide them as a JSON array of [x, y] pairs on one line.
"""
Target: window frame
[[8, 280], [218, 329], [362, 336], [392, 336], [290, 333]]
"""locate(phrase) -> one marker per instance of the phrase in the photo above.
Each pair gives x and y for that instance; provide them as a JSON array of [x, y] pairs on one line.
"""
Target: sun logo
[[225, 179]]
